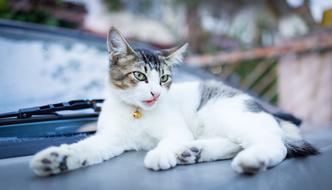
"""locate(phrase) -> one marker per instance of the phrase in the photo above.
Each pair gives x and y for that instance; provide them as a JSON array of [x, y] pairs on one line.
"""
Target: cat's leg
[[89, 151], [204, 150], [262, 140], [260, 155], [105, 144], [163, 156]]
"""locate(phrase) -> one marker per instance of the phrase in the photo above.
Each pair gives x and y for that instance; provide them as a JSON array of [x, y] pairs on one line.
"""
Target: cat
[[177, 124]]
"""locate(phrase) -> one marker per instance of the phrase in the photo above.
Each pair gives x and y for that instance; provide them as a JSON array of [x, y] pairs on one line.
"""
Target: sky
[[317, 7]]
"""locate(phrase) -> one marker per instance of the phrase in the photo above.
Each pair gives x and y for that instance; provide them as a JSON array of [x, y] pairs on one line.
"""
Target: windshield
[[38, 69]]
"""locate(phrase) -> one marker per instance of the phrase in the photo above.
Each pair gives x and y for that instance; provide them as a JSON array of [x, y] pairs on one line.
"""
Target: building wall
[[305, 85]]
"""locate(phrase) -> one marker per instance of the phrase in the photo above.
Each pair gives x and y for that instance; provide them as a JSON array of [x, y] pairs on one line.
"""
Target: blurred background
[[279, 50]]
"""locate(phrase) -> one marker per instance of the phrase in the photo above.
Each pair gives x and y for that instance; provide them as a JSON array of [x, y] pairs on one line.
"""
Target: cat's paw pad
[[189, 155], [249, 164], [160, 160], [53, 160]]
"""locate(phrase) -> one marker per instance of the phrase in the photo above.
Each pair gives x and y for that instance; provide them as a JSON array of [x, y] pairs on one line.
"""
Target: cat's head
[[141, 77]]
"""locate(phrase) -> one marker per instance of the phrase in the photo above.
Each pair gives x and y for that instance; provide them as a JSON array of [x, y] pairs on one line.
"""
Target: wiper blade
[[52, 109]]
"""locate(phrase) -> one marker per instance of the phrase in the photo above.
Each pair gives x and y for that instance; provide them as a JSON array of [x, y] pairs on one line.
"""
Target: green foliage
[[3, 5], [145, 4], [39, 17], [246, 68], [187, 3], [114, 5], [117, 5], [35, 15]]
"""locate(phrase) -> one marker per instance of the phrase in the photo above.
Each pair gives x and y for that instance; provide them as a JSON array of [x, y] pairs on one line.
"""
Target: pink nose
[[155, 94]]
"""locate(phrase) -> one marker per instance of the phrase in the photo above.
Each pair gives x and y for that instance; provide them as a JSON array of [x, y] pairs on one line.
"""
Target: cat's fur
[[188, 123]]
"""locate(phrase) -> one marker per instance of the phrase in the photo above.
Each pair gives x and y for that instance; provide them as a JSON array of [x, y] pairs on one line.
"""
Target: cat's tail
[[296, 145]]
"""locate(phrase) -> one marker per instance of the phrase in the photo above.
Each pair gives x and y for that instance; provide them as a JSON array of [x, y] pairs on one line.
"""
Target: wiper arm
[[52, 109]]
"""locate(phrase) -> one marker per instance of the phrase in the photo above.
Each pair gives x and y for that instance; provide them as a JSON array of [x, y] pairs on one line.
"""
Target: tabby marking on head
[[146, 74]]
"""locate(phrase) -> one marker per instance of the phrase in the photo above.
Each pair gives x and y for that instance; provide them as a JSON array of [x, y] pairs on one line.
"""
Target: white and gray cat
[[183, 123]]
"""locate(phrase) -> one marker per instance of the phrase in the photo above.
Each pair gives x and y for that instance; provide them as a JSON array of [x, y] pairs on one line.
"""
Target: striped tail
[[294, 142]]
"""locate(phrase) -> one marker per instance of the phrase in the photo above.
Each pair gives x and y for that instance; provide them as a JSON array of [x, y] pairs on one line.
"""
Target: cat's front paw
[[158, 159], [55, 160], [189, 155]]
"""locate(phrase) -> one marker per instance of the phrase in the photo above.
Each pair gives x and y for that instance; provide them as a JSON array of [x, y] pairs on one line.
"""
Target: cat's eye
[[139, 76], [164, 78]]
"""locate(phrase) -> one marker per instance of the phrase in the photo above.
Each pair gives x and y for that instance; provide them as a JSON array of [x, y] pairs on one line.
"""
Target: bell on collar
[[137, 114]]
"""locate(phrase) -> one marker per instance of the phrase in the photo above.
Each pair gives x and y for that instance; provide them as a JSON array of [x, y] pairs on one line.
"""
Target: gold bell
[[137, 114]]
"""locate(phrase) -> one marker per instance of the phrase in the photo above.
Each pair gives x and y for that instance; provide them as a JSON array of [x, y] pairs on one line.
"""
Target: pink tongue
[[150, 102]]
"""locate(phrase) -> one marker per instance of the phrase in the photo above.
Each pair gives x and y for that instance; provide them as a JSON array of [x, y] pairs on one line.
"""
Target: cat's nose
[[155, 94]]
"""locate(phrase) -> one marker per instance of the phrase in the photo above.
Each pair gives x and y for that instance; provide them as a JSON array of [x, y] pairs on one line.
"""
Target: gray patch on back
[[213, 90], [253, 106]]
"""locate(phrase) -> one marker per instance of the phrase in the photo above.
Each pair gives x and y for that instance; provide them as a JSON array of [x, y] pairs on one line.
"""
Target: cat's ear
[[174, 55], [117, 45]]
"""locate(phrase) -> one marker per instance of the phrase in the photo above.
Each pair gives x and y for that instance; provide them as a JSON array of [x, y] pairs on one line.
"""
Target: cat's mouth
[[151, 102]]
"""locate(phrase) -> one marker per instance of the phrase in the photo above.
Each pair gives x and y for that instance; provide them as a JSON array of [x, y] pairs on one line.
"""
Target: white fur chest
[[145, 132]]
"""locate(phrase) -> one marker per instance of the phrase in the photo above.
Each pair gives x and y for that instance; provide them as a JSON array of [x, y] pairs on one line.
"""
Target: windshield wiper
[[50, 112]]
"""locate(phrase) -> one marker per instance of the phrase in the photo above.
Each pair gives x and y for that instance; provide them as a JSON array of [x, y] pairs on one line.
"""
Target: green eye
[[164, 78], [139, 76]]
